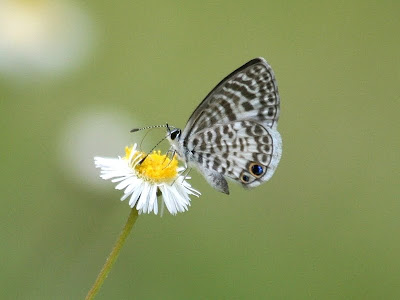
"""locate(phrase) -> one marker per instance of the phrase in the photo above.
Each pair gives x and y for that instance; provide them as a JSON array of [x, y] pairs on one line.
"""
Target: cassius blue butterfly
[[233, 132]]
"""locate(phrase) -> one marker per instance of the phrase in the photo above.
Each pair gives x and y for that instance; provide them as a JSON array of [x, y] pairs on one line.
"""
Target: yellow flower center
[[156, 167]]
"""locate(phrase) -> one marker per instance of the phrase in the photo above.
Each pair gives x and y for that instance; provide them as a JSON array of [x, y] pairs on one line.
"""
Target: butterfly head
[[175, 134]]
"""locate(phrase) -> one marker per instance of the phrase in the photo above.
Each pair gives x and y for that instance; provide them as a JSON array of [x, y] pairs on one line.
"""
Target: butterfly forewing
[[248, 93]]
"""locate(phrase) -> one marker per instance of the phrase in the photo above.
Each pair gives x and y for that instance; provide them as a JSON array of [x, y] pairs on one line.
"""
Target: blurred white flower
[[42, 37], [83, 134], [143, 176]]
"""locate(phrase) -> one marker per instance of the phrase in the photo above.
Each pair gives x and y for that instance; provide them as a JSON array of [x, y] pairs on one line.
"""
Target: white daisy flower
[[143, 181]]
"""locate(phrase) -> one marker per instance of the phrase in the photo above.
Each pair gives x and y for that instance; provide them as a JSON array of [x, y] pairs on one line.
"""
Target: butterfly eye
[[257, 170], [175, 134], [245, 178]]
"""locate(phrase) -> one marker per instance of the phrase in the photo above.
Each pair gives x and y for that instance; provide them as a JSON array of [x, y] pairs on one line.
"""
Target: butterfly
[[233, 132]]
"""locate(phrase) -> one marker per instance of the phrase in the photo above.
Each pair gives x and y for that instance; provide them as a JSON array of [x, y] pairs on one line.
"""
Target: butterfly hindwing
[[244, 151]]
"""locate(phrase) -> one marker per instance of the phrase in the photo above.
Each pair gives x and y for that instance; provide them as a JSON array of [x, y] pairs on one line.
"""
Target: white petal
[[167, 200], [133, 151], [153, 205], [124, 197], [189, 189], [118, 179], [181, 197], [123, 184], [133, 184], [143, 197], [135, 195], [184, 195]]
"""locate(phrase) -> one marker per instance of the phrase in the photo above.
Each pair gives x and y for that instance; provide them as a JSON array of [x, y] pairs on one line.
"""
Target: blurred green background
[[325, 227]]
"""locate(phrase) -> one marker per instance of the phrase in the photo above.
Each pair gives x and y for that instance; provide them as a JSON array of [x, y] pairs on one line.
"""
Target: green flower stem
[[113, 255]]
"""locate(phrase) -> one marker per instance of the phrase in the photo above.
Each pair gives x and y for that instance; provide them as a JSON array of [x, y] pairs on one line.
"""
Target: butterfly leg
[[183, 172], [170, 159], [187, 173], [167, 154]]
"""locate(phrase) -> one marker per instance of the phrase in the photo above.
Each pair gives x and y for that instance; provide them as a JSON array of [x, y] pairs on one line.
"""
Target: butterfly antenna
[[148, 127], [141, 142], [169, 130], [142, 160]]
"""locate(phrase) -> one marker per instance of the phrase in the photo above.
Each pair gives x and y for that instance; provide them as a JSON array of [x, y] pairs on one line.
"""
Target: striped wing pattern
[[233, 132]]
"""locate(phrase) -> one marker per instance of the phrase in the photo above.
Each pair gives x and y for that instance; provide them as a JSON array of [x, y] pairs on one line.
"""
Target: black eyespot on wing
[[257, 170], [245, 178]]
